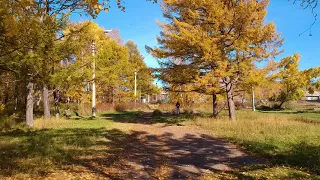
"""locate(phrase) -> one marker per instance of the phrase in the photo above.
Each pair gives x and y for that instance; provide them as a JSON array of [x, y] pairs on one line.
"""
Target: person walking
[[178, 107]]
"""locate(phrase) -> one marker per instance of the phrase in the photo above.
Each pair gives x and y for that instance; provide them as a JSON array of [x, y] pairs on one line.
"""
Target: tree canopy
[[213, 45]]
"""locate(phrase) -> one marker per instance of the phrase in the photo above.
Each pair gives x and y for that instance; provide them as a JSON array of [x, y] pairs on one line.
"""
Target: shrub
[[85, 108], [6, 122], [136, 106], [64, 108], [166, 107], [156, 112], [121, 107], [188, 110], [105, 107]]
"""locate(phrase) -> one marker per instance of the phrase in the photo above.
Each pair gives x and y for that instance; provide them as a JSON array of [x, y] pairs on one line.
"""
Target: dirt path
[[159, 151]]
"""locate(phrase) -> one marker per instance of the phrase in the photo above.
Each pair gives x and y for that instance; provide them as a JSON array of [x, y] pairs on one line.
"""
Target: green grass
[[137, 117], [54, 145], [261, 172], [311, 116], [286, 139], [82, 148]]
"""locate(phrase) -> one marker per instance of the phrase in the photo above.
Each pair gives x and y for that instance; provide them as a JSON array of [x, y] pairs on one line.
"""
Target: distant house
[[312, 97]]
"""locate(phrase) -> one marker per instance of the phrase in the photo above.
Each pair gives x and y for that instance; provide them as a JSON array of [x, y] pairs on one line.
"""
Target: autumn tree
[[258, 78], [30, 40], [115, 65], [218, 43], [113, 70], [144, 75], [293, 82], [19, 41]]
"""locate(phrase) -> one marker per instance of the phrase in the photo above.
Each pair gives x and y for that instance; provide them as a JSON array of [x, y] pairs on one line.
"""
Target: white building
[[312, 97]]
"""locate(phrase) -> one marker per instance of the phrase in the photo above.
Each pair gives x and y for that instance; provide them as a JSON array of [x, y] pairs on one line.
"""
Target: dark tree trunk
[[214, 105], [46, 106], [57, 110], [6, 96], [29, 106], [16, 96], [231, 105], [281, 104], [56, 97]]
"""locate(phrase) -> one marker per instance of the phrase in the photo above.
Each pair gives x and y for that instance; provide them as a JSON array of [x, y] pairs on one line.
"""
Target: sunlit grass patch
[[52, 145], [279, 137], [277, 172], [55, 123]]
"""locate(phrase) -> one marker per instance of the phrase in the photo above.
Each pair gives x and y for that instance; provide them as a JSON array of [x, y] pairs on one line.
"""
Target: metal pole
[[93, 80], [253, 106], [135, 87]]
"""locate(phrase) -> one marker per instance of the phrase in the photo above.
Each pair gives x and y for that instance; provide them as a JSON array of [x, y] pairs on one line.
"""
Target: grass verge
[[282, 138], [55, 147]]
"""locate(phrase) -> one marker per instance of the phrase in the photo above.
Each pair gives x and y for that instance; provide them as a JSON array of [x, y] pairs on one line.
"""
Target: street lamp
[[135, 87], [93, 46]]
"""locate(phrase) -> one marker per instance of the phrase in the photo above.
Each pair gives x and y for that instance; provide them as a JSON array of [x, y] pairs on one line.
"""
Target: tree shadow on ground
[[290, 112], [299, 156], [149, 118], [115, 154]]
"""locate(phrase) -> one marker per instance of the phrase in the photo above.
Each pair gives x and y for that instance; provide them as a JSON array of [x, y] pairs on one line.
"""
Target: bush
[[85, 108], [64, 108], [6, 122], [105, 107], [136, 106], [188, 110], [157, 112], [121, 107], [166, 107], [264, 108]]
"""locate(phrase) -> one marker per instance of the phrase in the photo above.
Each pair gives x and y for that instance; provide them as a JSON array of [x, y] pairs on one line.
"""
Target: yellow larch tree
[[217, 41]]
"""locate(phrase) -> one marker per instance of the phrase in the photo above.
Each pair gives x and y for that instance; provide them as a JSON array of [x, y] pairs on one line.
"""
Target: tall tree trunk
[[16, 96], [29, 106], [281, 104], [6, 94], [214, 105], [56, 97], [57, 110], [46, 106], [231, 105]]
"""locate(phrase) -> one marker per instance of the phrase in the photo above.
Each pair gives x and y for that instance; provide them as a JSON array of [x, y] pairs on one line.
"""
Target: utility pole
[[93, 46], [135, 87], [252, 94]]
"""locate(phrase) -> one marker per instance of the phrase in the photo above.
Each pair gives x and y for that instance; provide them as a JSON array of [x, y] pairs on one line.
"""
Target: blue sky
[[138, 23]]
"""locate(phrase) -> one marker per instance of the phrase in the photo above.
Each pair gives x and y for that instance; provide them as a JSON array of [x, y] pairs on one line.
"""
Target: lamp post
[[252, 98], [93, 46], [135, 87]]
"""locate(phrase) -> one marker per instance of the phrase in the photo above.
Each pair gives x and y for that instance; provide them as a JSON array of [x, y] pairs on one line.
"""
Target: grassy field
[[286, 138], [75, 148], [54, 147]]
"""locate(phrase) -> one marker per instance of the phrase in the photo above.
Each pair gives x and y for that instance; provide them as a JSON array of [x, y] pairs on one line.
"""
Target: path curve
[[160, 151]]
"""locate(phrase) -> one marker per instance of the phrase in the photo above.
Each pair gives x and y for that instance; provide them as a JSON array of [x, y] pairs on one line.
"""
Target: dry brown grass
[[281, 137]]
